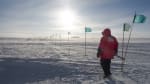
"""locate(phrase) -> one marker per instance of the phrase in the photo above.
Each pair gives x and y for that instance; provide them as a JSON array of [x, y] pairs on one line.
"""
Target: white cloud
[[41, 15]]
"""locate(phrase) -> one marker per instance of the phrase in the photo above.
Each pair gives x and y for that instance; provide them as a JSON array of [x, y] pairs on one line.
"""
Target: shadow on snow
[[21, 71]]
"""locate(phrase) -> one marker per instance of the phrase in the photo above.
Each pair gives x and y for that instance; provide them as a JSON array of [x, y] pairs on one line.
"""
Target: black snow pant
[[105, 63]]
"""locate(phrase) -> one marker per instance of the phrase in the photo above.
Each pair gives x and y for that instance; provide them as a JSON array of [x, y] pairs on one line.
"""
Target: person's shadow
[[21, 71]]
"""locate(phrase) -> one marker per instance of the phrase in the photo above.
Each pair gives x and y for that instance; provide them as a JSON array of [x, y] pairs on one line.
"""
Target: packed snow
[[26, 61]]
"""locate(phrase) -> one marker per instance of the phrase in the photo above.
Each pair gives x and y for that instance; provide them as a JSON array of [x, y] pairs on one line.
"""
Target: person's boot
[[107, 76]]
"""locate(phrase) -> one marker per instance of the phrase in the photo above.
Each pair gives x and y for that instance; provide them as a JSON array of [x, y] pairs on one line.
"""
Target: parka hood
[[106, 32]]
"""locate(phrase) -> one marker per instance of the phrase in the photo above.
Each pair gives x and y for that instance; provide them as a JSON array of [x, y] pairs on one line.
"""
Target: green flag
[[88, 29], [139, 19], [126, 26]]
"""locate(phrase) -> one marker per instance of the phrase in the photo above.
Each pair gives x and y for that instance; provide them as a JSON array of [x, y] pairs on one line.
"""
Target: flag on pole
[[88, 29], [126, 26], [139, 19]]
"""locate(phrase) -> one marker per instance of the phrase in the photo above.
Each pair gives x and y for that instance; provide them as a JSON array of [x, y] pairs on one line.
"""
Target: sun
[[67, 19]]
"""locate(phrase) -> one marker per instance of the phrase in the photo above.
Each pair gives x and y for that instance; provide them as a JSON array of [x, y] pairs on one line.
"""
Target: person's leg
[[104, 66], [105, 63], [108, 62]]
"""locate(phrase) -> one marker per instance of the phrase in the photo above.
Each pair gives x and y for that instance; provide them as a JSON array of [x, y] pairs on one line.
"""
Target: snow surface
[[60, 62]]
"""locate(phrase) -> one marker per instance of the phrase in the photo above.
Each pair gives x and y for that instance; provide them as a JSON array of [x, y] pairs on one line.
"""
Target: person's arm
[[98, 52]]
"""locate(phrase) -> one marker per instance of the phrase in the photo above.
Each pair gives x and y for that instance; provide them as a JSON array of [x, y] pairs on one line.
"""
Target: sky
[[44, 18]]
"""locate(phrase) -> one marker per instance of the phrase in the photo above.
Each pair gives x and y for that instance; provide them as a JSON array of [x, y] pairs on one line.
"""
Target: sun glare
[[67, 19]]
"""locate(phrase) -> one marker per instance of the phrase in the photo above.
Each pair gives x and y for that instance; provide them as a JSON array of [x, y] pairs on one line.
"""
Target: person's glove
[[116, 52], [98, 55], [98, 52]]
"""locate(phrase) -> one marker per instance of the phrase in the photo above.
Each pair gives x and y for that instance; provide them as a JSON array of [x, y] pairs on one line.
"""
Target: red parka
[[108, 45]]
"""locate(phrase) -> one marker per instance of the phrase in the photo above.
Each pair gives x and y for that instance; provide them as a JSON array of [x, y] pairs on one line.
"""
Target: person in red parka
[[107, 49]]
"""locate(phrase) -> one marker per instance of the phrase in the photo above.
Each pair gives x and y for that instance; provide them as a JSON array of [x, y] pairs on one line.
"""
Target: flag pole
[[124, 58], [128, 41], [85, 40], [123, 48], [130, 35], [69, 44], [55, 39]]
